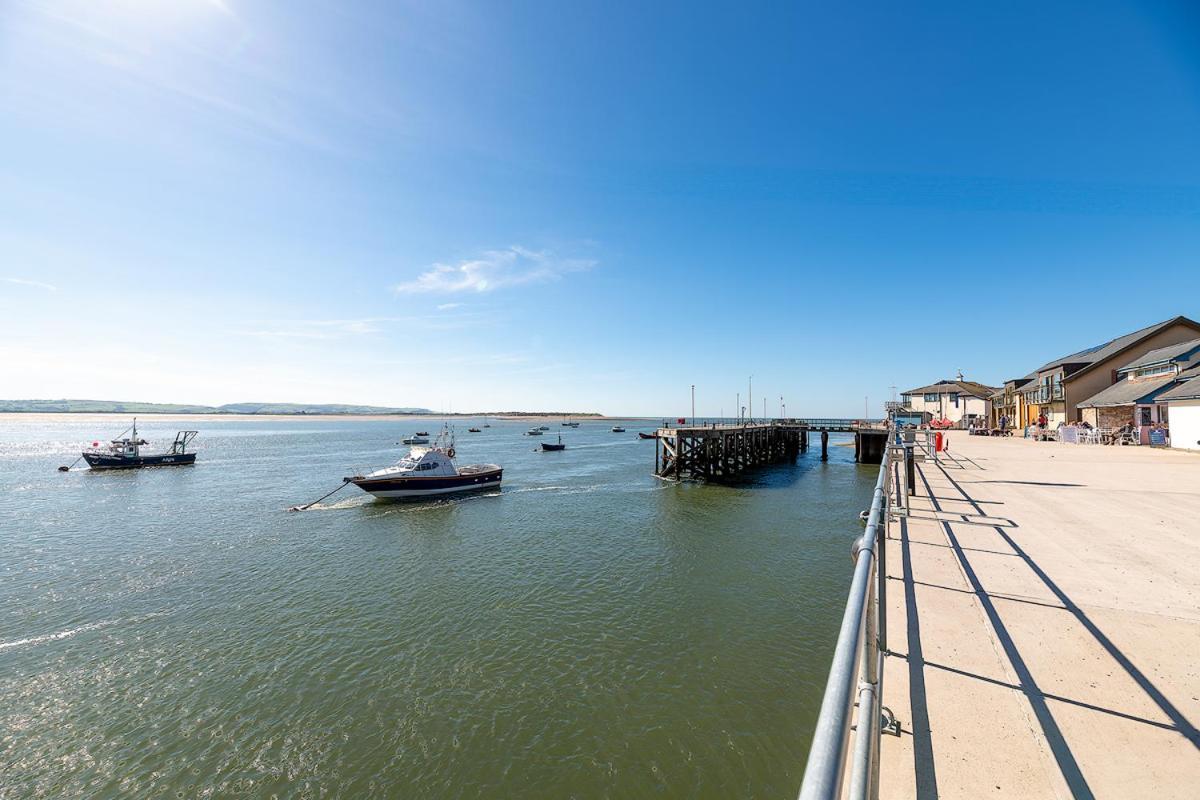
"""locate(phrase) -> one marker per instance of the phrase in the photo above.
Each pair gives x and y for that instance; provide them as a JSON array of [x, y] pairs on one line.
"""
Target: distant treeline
[[121, 407]]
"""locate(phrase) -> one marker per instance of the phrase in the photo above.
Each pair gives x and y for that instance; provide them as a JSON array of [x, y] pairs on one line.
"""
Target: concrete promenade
[[1044, 625]]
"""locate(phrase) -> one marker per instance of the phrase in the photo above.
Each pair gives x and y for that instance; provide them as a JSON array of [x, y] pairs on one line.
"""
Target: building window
[[954, 398]]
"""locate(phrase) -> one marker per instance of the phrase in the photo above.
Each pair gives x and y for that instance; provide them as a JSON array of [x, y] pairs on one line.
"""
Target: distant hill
[[124, 407]]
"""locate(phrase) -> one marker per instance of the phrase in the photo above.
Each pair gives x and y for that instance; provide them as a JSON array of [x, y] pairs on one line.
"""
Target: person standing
[[1004, 424]]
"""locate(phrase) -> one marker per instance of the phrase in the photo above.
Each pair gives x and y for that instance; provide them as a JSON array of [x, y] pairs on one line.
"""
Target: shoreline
[[101, 416]]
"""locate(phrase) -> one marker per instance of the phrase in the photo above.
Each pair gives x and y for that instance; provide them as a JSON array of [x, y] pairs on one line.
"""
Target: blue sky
[[585, 206]]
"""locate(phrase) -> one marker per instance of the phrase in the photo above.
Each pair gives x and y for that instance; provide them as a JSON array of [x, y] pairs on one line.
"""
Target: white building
[[961, 402], [1183, 407]]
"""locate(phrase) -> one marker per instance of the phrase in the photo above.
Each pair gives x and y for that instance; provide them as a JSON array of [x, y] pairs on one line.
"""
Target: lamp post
[[693, 405], [750, 402]]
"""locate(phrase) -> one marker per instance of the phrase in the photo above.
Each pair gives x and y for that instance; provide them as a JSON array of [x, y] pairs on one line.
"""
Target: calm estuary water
[[588, 631]]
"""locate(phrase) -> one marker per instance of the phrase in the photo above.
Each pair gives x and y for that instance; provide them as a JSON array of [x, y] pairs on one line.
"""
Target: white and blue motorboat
[[429, 472]]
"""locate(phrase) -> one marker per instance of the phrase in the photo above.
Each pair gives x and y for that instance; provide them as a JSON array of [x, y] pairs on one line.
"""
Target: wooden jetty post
[[723, 452]]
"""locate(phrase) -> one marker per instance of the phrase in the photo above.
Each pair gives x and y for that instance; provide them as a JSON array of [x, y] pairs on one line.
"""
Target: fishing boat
[[420, 438], [549, 447], [617, 429], [473, 430], [534, 432], [429, 472], [126, 453]]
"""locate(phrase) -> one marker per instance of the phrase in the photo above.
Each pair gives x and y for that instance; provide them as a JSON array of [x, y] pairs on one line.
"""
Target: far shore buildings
[[962, 402]]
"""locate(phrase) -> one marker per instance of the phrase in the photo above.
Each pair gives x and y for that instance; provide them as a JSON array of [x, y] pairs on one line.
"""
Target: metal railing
[[856, 675]]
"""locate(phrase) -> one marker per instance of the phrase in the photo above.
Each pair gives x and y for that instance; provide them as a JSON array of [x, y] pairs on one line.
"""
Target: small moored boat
[[422, 433], [429, 472], [473, 430], [420, 438], [617, 429], [534, 432], [549, 447], [647, 435], [127, 453], [544, 428]]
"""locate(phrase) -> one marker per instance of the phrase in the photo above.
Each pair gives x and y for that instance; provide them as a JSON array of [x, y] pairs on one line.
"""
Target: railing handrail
[[857, 641]]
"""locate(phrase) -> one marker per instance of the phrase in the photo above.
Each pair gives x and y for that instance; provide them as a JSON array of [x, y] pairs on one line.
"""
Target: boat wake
[[349, 502], [67, 634]]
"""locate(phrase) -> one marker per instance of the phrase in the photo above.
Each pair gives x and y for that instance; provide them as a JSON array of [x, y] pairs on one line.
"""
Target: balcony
[[1043, 394]]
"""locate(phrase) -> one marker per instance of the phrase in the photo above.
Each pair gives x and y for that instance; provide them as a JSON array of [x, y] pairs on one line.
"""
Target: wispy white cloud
[[34, 284], [494, 269], [448, 306]]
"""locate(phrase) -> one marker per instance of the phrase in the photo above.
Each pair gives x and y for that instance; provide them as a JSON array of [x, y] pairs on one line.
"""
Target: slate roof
[[1127, 392], [1162, 355], [962, 387], [1086, 359], [1189, 389]]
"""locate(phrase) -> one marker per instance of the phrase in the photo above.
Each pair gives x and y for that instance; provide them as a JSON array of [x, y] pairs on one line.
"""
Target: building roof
[[1188, 387], [1086, 359], [950, 387], [1127, 392], [1163, 355]]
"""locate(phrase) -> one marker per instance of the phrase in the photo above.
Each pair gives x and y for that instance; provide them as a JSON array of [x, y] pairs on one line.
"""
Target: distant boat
[[544, 428], [425, 473], [473, 430], [420, 438], [617, 429], [559, 446], [647, 435], [568, 423], [534, 432], [127, 453], [422, 433]]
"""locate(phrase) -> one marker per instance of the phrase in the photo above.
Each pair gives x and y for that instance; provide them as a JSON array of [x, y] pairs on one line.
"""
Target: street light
[[693, 405]]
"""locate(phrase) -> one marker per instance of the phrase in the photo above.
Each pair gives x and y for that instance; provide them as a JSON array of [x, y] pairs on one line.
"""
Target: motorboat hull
[[108, 461], [548, 446], [415, 488]]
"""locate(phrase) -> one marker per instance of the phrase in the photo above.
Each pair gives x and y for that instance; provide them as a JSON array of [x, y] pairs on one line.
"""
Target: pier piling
[[722, 452]]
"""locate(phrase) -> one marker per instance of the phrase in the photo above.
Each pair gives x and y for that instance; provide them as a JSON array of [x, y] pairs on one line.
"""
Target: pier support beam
[[869, 446], [824, 445]]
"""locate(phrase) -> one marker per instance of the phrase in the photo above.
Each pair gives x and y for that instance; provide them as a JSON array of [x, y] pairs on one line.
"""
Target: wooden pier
[[722, 452]]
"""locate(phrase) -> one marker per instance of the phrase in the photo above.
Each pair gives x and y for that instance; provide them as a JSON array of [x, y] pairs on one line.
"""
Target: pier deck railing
[[857, 670]]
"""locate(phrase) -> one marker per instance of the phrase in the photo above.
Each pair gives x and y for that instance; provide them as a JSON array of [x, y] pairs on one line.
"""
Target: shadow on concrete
[[1067, 765], [926, 771], [1178, 720], [1006, 597], [1033, 483], [1057, 698], [1003, 522], [946, 546]]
